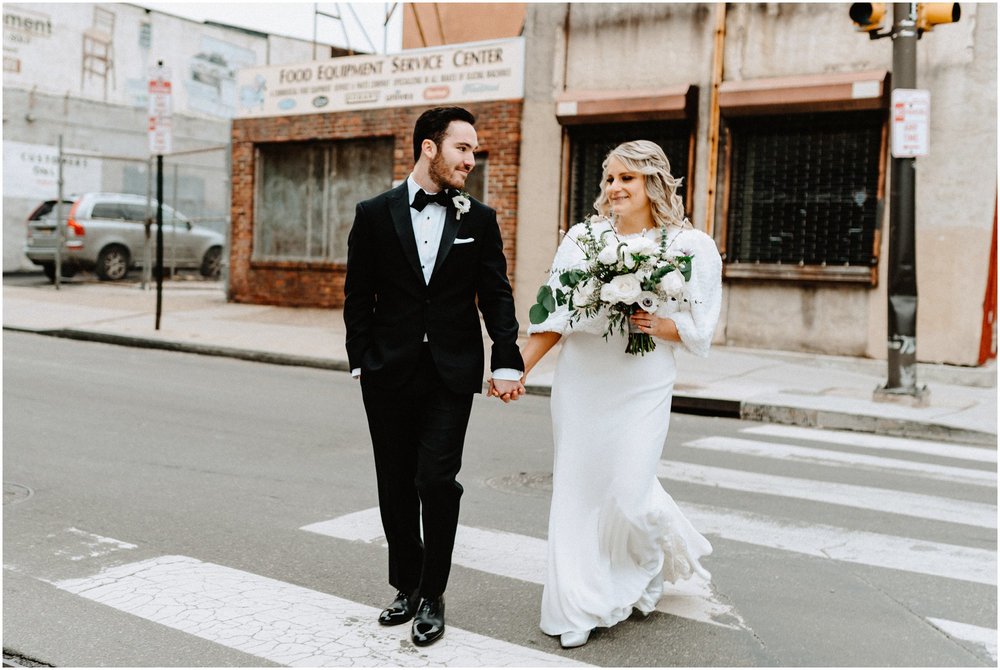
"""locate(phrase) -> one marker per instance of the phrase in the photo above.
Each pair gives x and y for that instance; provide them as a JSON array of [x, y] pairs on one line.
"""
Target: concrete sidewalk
[[781, 387]]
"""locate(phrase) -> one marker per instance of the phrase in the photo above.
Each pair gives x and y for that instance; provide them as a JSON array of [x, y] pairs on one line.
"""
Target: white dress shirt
[[428, 225]]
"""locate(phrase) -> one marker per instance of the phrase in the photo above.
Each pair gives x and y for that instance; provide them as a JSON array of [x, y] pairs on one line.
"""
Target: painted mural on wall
[[211, 76], [104, 52]]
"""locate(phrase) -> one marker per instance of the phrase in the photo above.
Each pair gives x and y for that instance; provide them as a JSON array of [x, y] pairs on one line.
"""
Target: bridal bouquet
[[620, 276]]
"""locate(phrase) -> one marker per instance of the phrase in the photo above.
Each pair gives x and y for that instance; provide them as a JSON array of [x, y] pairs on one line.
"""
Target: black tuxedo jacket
[[388, 307]]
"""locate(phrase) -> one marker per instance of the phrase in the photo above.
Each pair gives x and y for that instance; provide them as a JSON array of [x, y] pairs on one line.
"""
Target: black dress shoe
[[400, 611], [428, 622]]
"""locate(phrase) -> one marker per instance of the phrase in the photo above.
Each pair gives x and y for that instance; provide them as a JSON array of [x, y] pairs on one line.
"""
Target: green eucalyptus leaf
[[543, 291], [548, 302], [537, 314]]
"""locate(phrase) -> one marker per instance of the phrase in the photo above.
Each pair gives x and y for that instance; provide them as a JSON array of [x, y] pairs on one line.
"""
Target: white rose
[[641, 245], [623, 288], [650, 302], [584, 293], [609, 254], [672, 283]]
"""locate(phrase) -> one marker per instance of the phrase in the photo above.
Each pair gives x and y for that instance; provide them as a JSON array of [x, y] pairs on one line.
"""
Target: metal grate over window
[[804, 189], [590, 144]]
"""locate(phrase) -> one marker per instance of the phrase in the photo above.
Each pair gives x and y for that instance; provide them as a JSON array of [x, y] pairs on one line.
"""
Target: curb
[[682, 404]]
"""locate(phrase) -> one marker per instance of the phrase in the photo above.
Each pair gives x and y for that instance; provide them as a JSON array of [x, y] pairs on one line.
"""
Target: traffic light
[[929, 14], [867, 16]]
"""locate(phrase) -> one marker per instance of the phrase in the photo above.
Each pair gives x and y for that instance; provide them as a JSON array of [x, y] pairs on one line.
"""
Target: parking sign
[[160, 109], [911, 122]]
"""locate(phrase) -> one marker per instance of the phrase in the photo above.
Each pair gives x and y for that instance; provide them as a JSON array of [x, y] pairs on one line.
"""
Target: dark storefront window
[[589, 144], [306, 194], [804, 190]]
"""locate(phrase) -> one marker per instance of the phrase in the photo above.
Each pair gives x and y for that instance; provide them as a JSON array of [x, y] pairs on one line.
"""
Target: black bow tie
[[421, 199]]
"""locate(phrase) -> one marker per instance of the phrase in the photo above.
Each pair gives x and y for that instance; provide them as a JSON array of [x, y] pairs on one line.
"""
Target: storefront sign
[[911, 122], [438, 76]]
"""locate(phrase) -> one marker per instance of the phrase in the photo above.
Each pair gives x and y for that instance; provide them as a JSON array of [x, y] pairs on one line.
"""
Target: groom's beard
[[444, 176]]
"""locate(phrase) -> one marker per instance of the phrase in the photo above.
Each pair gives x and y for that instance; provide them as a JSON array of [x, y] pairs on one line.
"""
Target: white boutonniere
[[462, 204]]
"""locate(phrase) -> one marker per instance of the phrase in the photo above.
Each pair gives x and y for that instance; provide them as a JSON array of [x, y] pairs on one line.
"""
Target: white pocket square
[[464, 240]]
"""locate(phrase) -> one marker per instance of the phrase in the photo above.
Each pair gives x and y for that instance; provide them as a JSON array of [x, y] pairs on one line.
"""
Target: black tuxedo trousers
[[420, 350]]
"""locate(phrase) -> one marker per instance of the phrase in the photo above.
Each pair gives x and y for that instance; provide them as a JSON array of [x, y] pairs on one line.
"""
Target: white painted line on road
[[870, 441], [985, 637], [523, 557], [789, 452], [915, 505], [93, 545], [852, 546], [282, 622]]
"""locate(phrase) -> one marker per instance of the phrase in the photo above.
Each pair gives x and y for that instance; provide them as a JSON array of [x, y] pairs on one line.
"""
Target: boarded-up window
[[306, 195], [590, 144]]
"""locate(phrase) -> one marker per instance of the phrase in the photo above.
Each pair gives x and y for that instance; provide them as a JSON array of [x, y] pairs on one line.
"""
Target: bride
[[614, 533]]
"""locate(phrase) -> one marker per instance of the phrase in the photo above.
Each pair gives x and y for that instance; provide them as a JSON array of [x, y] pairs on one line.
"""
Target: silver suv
[[105, 232]]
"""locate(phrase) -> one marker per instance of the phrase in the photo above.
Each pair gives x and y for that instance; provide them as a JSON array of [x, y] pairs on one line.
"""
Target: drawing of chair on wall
[[99, 49]]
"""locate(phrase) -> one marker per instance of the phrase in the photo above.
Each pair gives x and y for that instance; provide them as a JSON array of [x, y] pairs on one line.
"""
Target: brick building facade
[[320, 283]]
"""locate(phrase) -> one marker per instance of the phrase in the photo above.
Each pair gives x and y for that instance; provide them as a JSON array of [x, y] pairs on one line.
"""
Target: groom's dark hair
[[433, 124]]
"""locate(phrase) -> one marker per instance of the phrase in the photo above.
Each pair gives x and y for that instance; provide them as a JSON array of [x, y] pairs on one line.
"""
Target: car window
[[134, 212], [47, 210], [107, 210]]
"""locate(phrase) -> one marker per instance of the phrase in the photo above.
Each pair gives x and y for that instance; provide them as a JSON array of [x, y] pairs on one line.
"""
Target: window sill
[[839, 274]]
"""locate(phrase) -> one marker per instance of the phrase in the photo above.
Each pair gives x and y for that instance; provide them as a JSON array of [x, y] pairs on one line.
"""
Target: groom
[[420, 258]]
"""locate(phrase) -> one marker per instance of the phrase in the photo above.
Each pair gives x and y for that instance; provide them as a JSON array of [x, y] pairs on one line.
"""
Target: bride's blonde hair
[[648, 159]]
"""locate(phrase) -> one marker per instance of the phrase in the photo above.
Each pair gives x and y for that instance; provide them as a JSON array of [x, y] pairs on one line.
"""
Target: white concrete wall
[[615, 46]]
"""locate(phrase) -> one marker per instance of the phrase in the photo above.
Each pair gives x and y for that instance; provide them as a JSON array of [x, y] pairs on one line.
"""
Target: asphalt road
[[167, 509]]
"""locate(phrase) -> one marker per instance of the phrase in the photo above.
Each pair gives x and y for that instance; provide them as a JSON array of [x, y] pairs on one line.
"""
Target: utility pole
[[910, 21], [902, 275]]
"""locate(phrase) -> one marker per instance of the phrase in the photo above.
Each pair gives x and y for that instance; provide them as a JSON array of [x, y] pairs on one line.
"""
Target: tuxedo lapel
[[399, 208], [447, 239]]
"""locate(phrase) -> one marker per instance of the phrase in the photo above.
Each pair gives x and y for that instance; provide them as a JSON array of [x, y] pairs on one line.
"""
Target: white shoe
[[574, 638]]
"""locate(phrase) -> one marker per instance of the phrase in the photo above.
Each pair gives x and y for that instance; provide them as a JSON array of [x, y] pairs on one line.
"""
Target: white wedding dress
[[614, 534]]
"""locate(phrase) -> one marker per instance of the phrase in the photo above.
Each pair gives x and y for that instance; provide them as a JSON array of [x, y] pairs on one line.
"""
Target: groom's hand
[[506, 390]]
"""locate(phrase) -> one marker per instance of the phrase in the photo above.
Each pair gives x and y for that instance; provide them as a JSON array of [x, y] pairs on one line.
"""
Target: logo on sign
[[436, 92], [321, 101]]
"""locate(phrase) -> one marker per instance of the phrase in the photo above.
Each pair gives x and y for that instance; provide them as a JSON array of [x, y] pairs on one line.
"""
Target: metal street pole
[[159, 238], [60, 232], [902, 266]]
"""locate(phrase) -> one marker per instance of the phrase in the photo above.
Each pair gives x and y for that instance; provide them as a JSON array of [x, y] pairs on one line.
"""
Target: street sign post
[[160, 111], [160, 142], [911, 122]]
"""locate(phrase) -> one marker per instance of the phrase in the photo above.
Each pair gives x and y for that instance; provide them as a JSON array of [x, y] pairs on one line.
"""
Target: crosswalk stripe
[[839, 458], [852, 546], [849, 495], [985, 637], [872, 441], [523, 557], [284, 623]]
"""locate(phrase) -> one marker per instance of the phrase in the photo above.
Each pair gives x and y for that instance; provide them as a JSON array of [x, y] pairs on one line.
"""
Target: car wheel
[[112, 263], [211, 263], [50, 271]]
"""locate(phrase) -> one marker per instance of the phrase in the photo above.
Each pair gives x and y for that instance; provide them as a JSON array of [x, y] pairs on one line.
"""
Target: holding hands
[[506, 390]]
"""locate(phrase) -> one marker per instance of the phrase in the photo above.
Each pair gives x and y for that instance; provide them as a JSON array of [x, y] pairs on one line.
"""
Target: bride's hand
[[665, 329]]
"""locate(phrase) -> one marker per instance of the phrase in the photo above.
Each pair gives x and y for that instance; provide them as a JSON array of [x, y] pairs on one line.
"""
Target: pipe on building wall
[[564, 152], [714, 123]]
